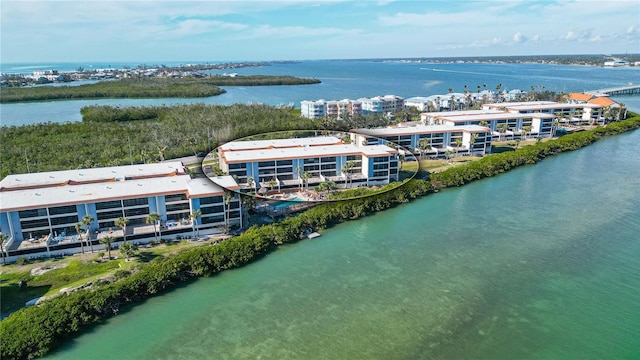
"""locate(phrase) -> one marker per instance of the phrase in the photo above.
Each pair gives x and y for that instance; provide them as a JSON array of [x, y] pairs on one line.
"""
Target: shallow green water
[[539, 263]]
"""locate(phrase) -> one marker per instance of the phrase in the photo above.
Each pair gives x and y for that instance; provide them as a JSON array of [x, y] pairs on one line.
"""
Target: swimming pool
[[288, 202]]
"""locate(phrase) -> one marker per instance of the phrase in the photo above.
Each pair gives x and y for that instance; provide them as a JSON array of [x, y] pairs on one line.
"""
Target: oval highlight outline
[[297, 169]]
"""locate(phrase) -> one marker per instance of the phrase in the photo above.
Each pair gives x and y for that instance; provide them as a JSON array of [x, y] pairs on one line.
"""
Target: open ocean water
[[542, 262]]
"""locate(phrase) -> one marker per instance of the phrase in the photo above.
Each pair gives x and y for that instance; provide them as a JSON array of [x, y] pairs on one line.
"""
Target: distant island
[[146, 87], [584, 60]]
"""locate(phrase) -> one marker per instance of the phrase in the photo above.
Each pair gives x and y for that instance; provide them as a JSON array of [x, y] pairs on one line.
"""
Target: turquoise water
[[289, 202], [540, 263]]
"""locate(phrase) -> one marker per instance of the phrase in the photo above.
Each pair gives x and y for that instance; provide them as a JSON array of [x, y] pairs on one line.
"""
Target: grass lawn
[[80, 269]]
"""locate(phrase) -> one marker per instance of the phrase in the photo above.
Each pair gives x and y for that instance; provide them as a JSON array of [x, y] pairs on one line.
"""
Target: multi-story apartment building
[[332, 108], [537, 124], [573, 113], [471, 139], [281, 163], [313, 109], [382, 104], [39, 211]]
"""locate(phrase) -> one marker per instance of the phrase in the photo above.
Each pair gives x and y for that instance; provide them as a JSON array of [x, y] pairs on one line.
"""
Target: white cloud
[[196, 26], [409, 27], [269, 31], [519, 38]]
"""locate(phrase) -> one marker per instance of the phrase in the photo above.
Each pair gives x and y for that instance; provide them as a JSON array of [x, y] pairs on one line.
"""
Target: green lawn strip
[[77, 273]]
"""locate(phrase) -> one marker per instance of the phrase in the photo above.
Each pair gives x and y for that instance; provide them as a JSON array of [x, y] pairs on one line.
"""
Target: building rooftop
[[580, 96], [93, 175], [421, 129], [551, 106], [496, 116], [227, 182], [517, 103], [279, 143], [602, 101], [86, 192], [460, 113], [304, 152]]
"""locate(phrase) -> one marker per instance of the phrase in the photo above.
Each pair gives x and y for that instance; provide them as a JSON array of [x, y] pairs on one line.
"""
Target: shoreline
[[92, 307]]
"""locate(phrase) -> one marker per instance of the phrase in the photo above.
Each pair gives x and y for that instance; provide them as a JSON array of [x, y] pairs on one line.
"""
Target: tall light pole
[[130, 153], [27, 160]]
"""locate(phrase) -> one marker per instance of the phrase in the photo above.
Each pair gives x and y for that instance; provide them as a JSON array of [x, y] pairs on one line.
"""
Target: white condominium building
[[283, 163], [332, 108], [39, 211], [471, 139], [574, 113], [382, 104], [504, 124]]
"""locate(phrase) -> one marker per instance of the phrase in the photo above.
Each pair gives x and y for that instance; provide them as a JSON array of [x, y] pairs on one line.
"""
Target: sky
[[152, 31]]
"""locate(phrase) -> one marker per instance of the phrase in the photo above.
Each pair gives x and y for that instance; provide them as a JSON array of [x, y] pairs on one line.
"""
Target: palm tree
[[346, 169], [86, 221], [251, 182], [502, 129], [227, 201], [423, 145], [472, 141], [3, 238], [305, 178], [194, 220], [299, 172], [107, 241], [153, 218], [128, 250], [554, 127], [272, 183], [122, 222], [525, 131], [79, 231]]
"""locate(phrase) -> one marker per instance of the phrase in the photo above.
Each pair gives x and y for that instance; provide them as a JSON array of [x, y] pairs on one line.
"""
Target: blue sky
[[144, 31]]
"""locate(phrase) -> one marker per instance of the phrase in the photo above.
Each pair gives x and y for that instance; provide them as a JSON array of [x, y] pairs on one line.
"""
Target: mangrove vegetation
[[111, 136], [145, 87]]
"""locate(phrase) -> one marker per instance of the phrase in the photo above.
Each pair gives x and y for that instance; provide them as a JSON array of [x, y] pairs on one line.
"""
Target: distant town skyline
[[152, 31]]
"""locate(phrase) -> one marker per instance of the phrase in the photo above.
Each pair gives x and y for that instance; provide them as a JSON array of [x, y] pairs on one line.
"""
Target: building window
[[24, 214], [136, 212], [176, 207], [210, 200], [175, 198], [108, 205], [69, 209], [135, 202], [109, 214], [64, 220], [212, 209], [266, 164], [30, 224]]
